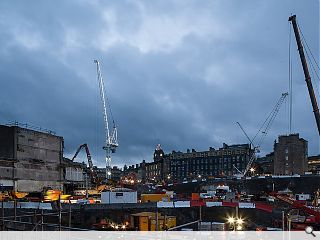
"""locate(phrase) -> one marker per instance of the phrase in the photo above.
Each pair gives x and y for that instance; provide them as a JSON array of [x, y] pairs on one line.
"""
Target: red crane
[[300, 214]]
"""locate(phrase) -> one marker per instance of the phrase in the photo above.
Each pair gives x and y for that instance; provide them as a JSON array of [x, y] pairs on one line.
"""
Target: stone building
[[314, 164], [179, 166], [265, 164], [135, 172], [290, 155], [156, 170], [225, 161]]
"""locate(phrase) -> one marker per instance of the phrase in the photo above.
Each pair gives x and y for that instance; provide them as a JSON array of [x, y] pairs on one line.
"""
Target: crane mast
[[111, 141], [306, 71]]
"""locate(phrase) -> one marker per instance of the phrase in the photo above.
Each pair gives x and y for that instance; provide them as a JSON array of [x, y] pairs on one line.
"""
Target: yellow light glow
[[239, 227], [239, 221], [231, 220]]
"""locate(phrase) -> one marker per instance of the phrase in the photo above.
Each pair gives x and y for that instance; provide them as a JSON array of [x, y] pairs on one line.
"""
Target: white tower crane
[[111, 138]]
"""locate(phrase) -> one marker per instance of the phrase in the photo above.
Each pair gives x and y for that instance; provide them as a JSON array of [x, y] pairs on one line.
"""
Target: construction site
[[229, 188]]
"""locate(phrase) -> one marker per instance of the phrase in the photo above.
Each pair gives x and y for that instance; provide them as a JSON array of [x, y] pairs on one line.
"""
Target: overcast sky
[[180, 73]]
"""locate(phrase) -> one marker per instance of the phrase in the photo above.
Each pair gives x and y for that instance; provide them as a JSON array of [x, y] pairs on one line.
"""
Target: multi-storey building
[[177, 166], [30, 160], [135, 172], [225, 161], [265, 164], [156, 170], [314, 164], [290, 155]]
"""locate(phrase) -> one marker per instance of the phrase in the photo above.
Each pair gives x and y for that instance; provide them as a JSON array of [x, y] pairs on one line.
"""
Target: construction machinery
[[306, 71], [264, 129], [93, 174], [300, 215], [111, 138]]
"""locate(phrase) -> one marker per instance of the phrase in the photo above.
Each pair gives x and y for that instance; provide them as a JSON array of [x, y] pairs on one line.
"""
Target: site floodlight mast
[[111, 138]]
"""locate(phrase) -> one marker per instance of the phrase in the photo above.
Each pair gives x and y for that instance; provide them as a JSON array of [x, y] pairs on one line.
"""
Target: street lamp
[[252, 170], [239, 221], [236, 223], [231, 220]]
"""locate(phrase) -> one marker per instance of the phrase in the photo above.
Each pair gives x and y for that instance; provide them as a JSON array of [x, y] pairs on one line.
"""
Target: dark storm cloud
[[176, 72]]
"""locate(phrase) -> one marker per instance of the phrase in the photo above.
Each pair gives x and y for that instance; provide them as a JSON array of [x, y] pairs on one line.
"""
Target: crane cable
[[308, 53], [290, 79]]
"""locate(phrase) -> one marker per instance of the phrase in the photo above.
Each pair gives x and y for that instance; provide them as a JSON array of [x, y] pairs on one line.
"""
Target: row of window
[[206, 154], [206, 167], [208, 160]]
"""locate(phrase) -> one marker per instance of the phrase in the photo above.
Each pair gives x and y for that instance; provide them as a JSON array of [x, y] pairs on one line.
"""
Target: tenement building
[[178, 166], [290, 155], [226, 161]]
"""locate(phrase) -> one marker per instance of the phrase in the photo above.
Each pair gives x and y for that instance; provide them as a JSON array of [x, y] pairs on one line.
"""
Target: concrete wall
[[6, 142], [30, 158], [6, 169], [38, 160], [74, 174], [36, 186]]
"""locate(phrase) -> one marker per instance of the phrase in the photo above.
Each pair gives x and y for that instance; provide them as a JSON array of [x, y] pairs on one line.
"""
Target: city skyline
[[177, 73]]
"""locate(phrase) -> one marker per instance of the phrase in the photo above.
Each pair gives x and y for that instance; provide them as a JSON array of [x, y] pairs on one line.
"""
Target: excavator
[[96, 181]]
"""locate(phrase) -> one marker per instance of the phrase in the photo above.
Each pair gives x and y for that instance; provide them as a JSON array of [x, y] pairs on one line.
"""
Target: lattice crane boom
[[264, 129], [111, 138]]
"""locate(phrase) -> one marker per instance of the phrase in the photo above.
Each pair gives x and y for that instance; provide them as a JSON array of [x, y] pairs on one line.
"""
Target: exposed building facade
[[73, 175], [290, 155], [30, 160]]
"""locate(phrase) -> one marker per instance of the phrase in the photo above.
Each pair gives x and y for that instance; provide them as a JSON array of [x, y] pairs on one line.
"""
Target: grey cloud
[[186, 96]]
